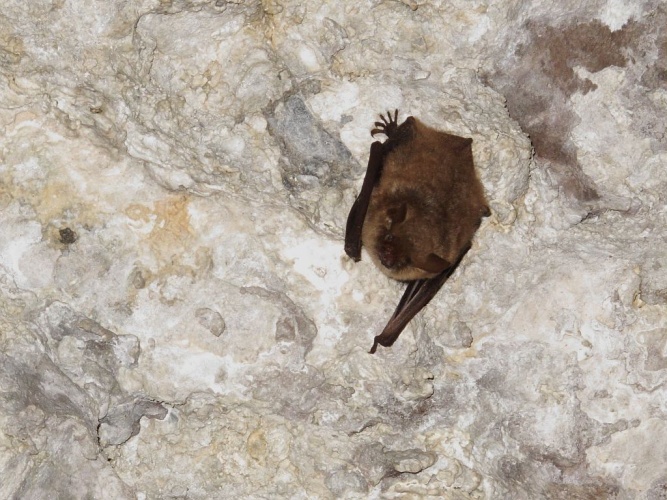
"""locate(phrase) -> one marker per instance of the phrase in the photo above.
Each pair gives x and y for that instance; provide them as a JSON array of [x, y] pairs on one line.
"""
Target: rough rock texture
[[177, 316]]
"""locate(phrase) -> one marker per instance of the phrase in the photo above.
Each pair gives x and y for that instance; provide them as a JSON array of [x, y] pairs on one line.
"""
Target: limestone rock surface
[[177, 315]]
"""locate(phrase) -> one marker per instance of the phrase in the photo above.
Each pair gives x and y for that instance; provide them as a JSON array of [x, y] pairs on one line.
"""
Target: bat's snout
[[388, 253]]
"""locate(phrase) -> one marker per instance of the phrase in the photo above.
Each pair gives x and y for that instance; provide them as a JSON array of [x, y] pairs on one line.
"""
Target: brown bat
[[419, 207]]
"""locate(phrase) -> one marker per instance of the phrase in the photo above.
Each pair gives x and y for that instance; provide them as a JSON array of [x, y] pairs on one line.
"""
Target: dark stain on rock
[[590, 45], [312, 157], [38, 382], [67, 236], [574, 182], [658, 490], [545, 78], [597, 488], [655, 75], [654, 281], [540, 78]]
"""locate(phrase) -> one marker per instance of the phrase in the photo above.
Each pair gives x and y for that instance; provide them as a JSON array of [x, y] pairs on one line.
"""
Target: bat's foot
[[387, 126]]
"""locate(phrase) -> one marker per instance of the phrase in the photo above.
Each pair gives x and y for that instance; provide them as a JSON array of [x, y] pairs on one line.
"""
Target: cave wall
[[178, 317]]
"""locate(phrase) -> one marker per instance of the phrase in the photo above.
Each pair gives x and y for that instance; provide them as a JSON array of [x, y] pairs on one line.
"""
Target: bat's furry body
[[417, 212]]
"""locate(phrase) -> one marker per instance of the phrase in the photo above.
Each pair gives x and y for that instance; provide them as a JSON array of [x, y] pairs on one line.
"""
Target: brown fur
[[427, 204]]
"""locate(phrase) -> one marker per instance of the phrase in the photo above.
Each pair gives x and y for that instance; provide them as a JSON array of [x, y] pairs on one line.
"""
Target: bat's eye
[[397, 214]]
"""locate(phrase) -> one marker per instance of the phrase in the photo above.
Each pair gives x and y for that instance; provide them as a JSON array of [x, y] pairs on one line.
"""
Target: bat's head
[[401, 241], [392, 244]]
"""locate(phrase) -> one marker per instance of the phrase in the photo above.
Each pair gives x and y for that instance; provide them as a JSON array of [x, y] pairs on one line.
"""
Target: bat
[[419, 207]]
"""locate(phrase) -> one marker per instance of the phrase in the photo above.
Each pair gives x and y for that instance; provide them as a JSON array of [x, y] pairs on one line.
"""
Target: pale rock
[[199, 331]]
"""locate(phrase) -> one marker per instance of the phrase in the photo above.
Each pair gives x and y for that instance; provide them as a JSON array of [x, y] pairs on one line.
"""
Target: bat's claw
[[387, 126]]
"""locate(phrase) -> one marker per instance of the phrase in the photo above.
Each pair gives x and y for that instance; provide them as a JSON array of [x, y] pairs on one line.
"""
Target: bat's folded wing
[[355, 220], [416, 296]]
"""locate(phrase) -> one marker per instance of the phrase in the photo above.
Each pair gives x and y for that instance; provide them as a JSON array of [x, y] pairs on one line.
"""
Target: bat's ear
[[432, 264], [457, 143]]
